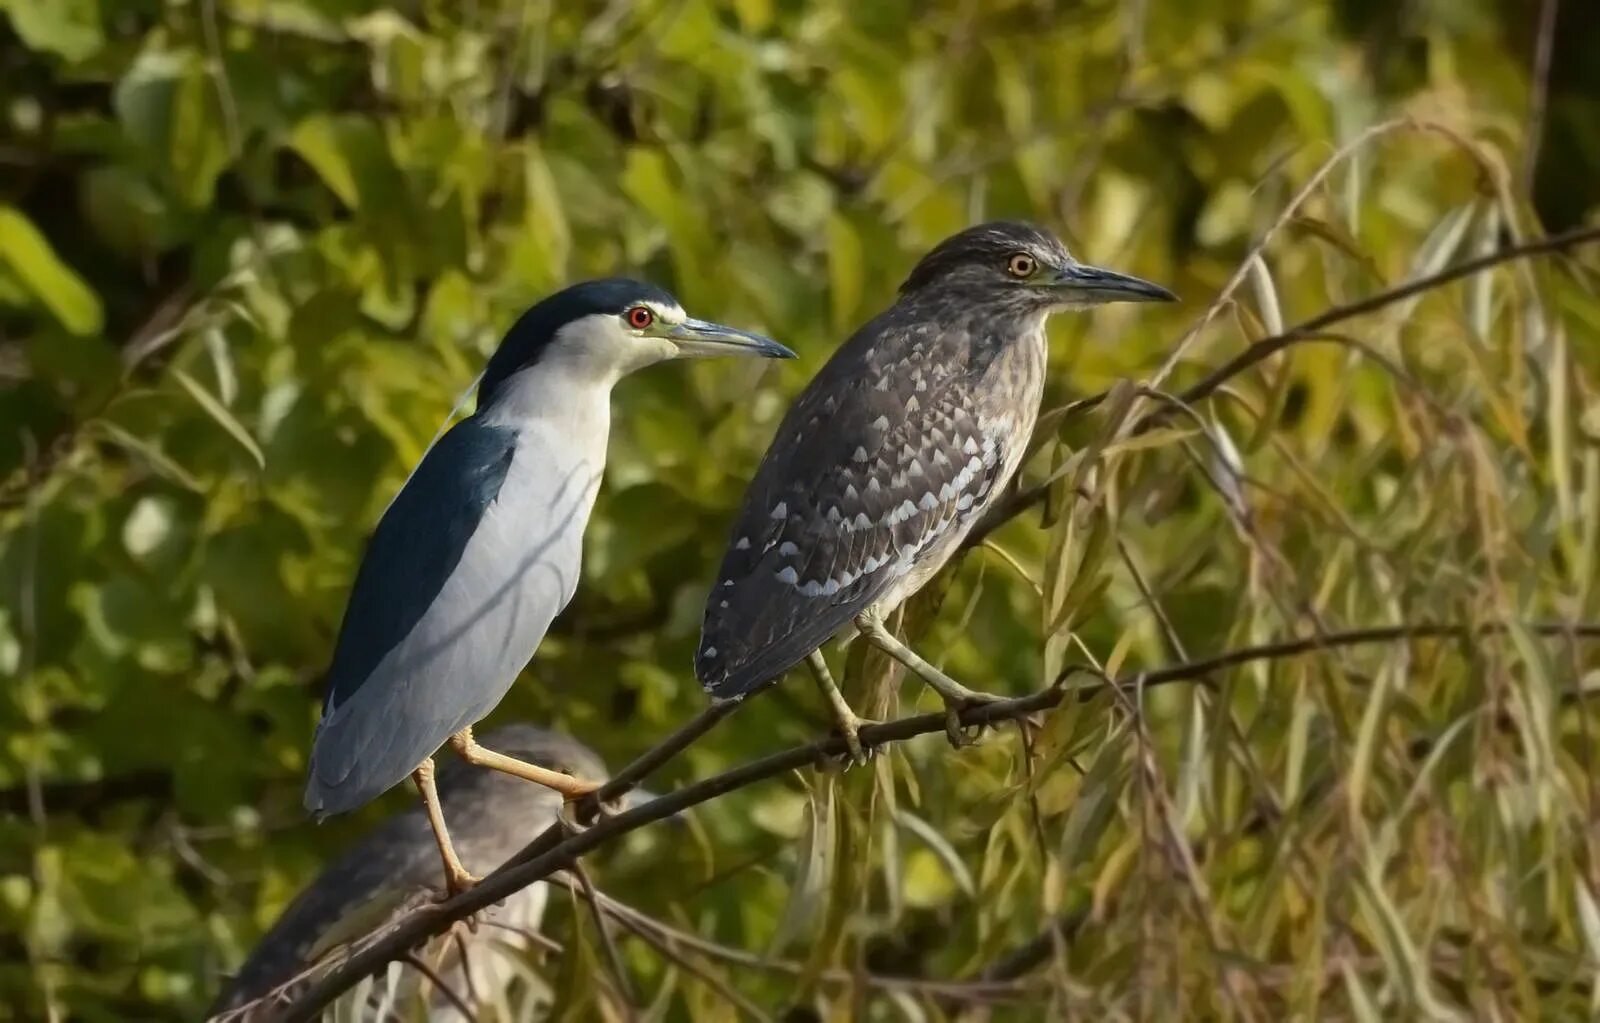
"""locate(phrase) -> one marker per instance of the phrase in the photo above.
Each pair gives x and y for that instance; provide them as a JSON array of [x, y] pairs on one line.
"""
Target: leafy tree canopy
[[252, 252]]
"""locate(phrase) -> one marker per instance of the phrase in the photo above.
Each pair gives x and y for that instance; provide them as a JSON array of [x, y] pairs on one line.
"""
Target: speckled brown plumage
[[892, 454], [883, 464]]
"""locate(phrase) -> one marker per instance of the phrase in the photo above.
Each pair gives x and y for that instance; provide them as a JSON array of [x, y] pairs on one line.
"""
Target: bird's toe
[[455, 882], [578, 816], [960, 735], [856, 754]]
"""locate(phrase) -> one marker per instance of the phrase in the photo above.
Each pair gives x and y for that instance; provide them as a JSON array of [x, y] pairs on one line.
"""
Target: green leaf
[[941, 848], [352, 157], [219, 412], [197, 150], [28, 255], [543, 211], [68, 28], [845, 270], [168, 104], [814, 866]]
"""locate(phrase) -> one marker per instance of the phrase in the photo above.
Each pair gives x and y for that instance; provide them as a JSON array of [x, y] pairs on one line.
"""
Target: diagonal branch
[[1266, 346], [663, 936], [1314, 329], [439, 983], [395, 941], [608, 944], [627, 779]]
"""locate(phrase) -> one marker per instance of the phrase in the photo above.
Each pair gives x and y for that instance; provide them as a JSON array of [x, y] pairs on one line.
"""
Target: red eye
[[640, 317]]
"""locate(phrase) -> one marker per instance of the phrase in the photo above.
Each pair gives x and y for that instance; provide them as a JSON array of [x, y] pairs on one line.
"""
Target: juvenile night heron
[[496, 815], [890, 455], [480, 549]]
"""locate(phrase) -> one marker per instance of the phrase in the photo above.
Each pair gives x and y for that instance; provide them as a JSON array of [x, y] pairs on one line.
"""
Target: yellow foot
[[458, 881], [961, 736], [849, 729], [569, 817]]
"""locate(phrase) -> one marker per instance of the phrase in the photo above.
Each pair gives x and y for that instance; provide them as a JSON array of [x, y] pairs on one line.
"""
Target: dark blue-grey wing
[[408, 669], [419, 541]]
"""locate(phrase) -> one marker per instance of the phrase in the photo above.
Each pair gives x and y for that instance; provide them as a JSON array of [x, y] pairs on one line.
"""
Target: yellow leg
[[572, 788], [456, 877], [955, 695], [844, 718]]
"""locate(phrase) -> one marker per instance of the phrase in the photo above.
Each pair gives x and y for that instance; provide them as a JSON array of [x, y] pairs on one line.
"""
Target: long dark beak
[[702, 337], [1092, 285]]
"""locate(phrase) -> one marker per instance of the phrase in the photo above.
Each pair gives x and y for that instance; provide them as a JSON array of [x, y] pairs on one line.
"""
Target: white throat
[[571, 399], [571, 379]]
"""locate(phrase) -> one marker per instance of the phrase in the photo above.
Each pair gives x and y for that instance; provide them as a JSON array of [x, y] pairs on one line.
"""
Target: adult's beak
[[702, 337], [1090, 285]]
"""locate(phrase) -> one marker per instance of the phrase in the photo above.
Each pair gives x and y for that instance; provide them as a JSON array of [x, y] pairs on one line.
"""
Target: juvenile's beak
[[701, 337], [1092, 285]]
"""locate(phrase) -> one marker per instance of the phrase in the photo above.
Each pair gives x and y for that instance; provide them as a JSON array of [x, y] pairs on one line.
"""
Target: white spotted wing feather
[[876, 473]]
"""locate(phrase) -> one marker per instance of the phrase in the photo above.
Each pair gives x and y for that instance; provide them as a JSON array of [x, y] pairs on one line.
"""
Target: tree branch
[[663, 936], [451, 995], [536, 862], [608, 944], [1314, 329], [1308, 330], [593, 805]]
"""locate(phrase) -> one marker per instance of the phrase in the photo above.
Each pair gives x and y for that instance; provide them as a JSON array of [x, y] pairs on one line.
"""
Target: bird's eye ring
[[1021, 265], [640, 317]]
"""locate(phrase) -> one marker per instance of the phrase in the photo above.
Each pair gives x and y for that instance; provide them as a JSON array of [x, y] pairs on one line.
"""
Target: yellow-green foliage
[[251, 251]]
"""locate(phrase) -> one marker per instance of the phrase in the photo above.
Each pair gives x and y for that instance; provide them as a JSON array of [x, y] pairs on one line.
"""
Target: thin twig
[[629, 777], [1372, 303], [1314, 329], [1022, 959], [726, 991], [534, 938], [1191, 670], [607, 942], [435, 918], [1539, 97], [967, 990], [414, 961]]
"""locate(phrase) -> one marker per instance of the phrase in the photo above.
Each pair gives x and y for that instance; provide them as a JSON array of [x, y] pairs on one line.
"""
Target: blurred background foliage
[[252, 251]]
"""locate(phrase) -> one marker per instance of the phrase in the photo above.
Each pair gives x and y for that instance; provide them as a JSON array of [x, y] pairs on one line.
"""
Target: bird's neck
[[570, 395], [978, 319]]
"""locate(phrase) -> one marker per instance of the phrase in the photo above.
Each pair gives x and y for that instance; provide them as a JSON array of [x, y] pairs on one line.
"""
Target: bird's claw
[[596, 812], [961, 736], [454, 884], [569, 821], [466, 927], [856, 754]]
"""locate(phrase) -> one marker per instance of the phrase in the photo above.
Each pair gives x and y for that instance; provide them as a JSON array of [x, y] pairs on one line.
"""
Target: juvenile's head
[[611, 327], [1018, 266]]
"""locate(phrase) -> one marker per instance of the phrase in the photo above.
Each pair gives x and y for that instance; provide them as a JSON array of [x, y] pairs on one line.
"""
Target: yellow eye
[[1021, 265]]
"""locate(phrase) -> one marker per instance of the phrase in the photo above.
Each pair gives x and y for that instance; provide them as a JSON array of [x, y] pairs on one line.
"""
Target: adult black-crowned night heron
[[480, 549], [888, 458], [496, 815]]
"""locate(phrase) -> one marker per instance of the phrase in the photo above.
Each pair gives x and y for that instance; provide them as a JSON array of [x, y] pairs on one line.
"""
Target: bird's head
[[1021, 266], [611, 327]]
